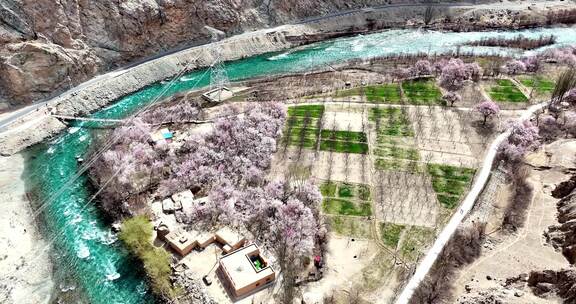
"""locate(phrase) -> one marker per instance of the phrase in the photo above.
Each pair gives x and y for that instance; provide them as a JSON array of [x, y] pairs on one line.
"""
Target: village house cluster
[[242, 267]]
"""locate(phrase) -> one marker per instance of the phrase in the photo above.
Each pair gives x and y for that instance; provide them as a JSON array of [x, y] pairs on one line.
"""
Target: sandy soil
[[508, 255], [345, 261], [20, 241], [405, 198], [344, 121], [354, 168]]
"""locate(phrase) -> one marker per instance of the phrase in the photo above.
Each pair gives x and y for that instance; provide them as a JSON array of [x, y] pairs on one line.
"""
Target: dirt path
[[458, 217]]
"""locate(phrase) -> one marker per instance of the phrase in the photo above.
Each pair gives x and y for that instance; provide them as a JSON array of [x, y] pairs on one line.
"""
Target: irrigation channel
[[85, 251]]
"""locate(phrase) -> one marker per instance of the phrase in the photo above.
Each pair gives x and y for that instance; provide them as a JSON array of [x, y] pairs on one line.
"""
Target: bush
[[136, 234], [522, 190]]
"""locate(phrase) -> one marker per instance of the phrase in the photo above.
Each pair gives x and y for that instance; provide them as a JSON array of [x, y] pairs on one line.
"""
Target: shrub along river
[[87, 254]]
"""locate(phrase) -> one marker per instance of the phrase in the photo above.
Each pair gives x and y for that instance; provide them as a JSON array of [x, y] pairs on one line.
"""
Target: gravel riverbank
[[20, 241]]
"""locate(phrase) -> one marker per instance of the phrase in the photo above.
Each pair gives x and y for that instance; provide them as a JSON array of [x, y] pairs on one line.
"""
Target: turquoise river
[[84, 249]]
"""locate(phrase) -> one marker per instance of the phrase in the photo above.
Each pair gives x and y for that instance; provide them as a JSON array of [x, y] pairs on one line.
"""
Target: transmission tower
[[218, 75], [219, 81]]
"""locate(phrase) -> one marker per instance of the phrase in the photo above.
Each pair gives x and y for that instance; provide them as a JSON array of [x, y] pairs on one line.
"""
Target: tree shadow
[[484, 129]]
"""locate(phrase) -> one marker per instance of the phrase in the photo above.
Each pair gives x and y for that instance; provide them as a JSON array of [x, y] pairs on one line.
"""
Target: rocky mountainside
[[48, 46], [563, 235]]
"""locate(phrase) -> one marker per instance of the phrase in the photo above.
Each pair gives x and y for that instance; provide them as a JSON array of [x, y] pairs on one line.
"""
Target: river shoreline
[[103, 90], [25, 267]]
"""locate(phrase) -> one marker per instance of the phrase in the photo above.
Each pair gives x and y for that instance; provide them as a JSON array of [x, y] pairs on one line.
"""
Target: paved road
[[382, 7], [20, 113], [481, 179], [14, 116]]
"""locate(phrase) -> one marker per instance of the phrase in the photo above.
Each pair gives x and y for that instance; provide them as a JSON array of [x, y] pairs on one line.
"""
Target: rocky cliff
[[563, 235], [48, 46]]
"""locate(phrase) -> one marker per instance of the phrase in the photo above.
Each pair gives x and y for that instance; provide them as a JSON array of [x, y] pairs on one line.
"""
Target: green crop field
[[391, 122], [422, 92], [344, 135], [391, 234], [345, 207], [306, 111], [450, 183], [343, 146], [302, 126], [350, 226], [506, 91], [397, 152], [414, 242], [346, 198], [541, 84], [385, 93], [345, 190]]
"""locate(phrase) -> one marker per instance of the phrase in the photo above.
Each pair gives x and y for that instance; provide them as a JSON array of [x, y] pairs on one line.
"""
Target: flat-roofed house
[[229, 239], [245, 270], [204, 239], [218, 95], [181, 241], [183, 199]]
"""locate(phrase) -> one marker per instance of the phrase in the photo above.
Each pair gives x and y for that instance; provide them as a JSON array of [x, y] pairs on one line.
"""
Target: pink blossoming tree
[[451, 97], [487, 109]]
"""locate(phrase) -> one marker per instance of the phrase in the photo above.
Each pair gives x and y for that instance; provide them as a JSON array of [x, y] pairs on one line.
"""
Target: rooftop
[[181, 241], [218, 94], [245, 266], [229, 237]]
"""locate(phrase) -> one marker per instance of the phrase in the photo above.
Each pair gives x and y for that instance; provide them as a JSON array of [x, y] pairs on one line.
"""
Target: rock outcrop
[[563, 235], [49, 46], [561, 283]]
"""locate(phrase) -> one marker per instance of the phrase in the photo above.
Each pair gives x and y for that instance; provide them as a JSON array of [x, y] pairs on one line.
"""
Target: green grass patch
[[395, 164], [301, 126], [343, 146], [391, 234], [385, 93], [422, 92], [328, 189], [346, 190], [539, 83], [296, 133], [450, 183], [344, 135], [304, 142], [306, 111], [416, 239], [136, 234], [506, 91], [345, 207], [350, 226], [391, 122], [451, 172], [302, 122], [397, 152], [363, 192], [448, 201]]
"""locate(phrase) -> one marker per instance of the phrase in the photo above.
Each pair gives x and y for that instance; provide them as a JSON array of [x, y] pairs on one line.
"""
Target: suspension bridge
[[92, 119]]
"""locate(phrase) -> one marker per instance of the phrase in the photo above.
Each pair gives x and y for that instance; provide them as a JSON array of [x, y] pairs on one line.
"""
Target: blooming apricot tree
[[455, 72], [422, 67], [451, 98], [487, 109], [514, 67]]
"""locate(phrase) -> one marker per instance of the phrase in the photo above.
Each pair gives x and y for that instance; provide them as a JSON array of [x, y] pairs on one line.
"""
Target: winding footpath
[[466, 206]]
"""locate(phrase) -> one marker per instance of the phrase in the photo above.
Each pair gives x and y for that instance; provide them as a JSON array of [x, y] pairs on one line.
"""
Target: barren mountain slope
[[47, 46]]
